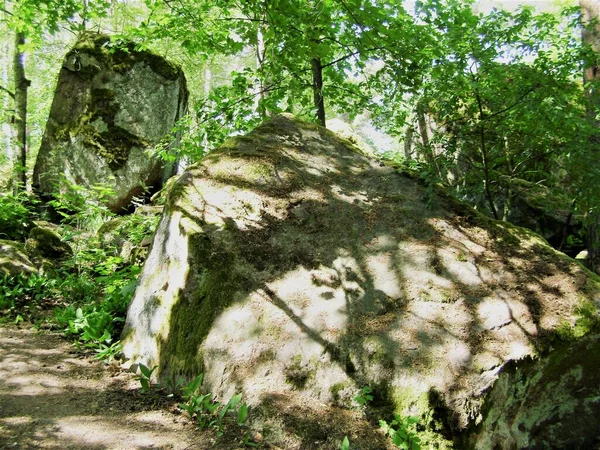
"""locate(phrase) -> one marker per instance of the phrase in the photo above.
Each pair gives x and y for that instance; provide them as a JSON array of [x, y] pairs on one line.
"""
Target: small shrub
[[364, 396], [26, 289], [81, 207], [210, 413], [16, 214], [145, 376], [403, 432]]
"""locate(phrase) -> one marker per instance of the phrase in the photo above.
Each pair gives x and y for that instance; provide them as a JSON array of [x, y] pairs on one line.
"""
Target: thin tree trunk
[[424, 136], [317, 73], [7, 102], [428, 150], [84, 15], [509, 191], [21, 86], [259, 102], [484, 159], [408, 141], [207, 88], [590, 10]]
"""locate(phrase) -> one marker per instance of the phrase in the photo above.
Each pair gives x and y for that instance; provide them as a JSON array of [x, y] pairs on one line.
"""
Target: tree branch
[[509, 107], [12, 95]]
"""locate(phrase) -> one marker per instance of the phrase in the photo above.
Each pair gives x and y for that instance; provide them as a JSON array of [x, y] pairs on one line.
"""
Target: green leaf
[[193, 386], [345, 444], [233, 401], [146, 372], [242, 415]]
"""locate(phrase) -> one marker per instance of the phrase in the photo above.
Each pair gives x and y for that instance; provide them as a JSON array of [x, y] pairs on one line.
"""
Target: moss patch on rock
[[119, 56], [14, 259], [44, 243]]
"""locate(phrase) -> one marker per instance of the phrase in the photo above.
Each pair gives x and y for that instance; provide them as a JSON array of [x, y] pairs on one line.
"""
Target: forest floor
[[53, 397]]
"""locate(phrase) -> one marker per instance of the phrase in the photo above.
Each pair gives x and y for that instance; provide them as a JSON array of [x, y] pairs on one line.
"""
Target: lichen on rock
[[289, 263], [112, 104]]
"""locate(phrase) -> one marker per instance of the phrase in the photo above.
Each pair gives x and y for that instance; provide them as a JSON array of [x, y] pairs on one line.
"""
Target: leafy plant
[[23, 292], [210, 413], [16, 213], [81, 207], [145, 376], [108, 352], [364, 396], [403, 432]]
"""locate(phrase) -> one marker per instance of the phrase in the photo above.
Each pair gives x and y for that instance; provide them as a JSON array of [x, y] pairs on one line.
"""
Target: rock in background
[[112, 103], [289, 264], [14, 260]]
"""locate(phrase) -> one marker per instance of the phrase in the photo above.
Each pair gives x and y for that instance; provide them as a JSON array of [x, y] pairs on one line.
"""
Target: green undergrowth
[[407, 432], [16, 215], [87, 295], [227, 419]]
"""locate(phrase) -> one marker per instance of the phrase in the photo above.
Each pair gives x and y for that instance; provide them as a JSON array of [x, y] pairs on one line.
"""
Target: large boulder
[[289, 264], [111, 105]]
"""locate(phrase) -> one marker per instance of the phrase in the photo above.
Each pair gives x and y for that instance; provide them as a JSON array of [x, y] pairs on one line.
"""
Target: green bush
[[84, 208], [16, 215]]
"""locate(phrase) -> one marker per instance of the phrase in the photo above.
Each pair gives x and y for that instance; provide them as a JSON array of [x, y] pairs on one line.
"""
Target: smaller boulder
[[130, 236], [149, 210], [45, 243], [14, 259]]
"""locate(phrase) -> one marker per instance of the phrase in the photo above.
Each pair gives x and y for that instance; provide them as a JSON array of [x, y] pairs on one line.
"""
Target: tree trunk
[[427, 150], [7, 103], [484, 159], [590, 10], [207, 89], [21, 86], [259, 102], [317, 73], [408, 141]]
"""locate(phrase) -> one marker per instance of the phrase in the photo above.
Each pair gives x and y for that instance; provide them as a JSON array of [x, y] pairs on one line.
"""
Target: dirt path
[[53, 398]]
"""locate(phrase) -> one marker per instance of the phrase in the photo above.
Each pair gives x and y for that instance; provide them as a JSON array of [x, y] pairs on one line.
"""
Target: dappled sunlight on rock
[[310, 271]]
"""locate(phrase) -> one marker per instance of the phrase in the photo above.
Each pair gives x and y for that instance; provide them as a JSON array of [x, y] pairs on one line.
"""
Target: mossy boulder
[[14, 259], [46, 244], [289, 263], [111, 105]]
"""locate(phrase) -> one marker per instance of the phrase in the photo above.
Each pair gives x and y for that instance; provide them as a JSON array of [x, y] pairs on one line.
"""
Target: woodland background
[[473, 97]]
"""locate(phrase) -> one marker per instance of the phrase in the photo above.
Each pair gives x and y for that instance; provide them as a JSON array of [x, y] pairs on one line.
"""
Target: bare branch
[[12, 95]]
